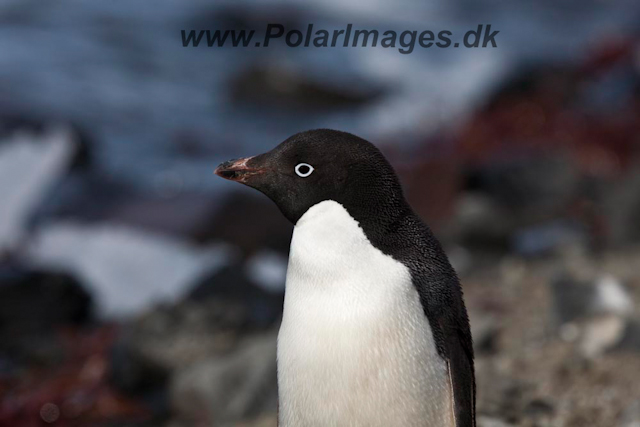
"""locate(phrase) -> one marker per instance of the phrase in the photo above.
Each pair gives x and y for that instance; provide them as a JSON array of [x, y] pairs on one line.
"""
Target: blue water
[[118, 69]]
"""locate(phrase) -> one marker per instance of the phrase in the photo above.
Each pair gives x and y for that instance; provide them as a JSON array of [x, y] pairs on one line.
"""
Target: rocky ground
[[120, 307], [535, 366], [557, 342]]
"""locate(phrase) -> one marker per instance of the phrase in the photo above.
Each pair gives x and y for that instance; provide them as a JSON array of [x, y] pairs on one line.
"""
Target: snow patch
[[126, 270]]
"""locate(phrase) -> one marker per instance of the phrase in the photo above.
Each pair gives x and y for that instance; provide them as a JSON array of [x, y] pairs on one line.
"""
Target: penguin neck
[[380, 218], [377, 212]]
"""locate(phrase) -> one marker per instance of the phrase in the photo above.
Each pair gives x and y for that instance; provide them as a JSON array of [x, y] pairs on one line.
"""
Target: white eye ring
[[305, 174]]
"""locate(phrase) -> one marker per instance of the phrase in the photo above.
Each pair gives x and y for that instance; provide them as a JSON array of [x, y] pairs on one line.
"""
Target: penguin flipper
[[461, 376]]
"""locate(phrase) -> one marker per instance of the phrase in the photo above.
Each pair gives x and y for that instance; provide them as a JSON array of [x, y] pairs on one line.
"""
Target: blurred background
[[138, 289]]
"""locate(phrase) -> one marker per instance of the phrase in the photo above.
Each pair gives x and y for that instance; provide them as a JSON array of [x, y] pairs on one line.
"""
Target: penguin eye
[[304, 170]]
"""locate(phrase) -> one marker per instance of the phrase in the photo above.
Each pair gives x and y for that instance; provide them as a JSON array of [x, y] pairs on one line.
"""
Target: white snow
[[268, 269], [126, 270], [612, 297], [29, 166]]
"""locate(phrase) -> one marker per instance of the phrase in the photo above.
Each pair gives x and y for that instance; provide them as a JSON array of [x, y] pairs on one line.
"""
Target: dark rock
[[572, 299], [486, 343], [135, 375], [33, 304], [485, 332], [513, 400], [622, 207], [530, 80], [282, 87], [231, 285], [43, 298], [539, 408], [630, 339], [480, 224], [250, 222], [85, 197], [529, 186]]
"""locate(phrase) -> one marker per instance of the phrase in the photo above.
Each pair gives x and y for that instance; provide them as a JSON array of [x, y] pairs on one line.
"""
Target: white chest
[[354, 348]]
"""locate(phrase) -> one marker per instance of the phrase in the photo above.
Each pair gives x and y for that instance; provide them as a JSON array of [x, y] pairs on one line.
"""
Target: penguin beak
[[239, 170]]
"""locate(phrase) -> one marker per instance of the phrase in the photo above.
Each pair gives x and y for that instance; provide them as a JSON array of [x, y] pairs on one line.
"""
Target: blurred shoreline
[[137, 289]]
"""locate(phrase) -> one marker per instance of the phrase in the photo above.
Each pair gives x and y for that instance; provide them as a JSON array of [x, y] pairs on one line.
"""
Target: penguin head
[[317, 165]]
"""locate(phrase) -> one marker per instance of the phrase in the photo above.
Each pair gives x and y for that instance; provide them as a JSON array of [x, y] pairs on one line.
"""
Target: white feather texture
[[355, 347]]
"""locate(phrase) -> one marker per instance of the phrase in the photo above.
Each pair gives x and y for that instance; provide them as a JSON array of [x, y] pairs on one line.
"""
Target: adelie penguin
[[374, 330]]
